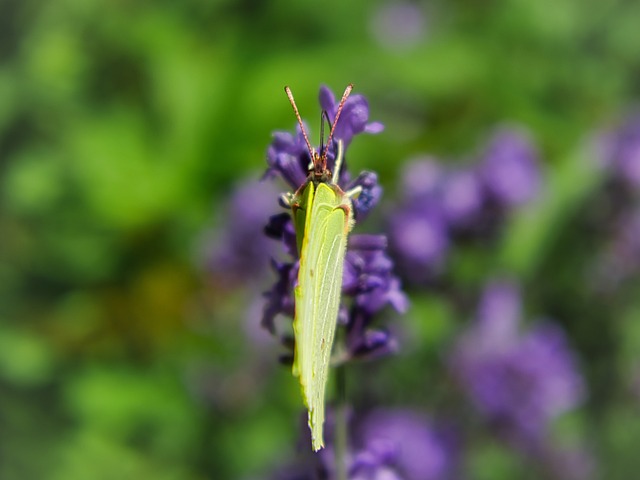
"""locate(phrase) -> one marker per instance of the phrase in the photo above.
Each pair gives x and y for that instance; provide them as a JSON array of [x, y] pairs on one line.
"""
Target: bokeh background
[[126, 130]]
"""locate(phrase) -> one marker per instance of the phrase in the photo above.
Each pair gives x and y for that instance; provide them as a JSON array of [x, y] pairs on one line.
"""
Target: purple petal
[[374, 127], [327, 100]]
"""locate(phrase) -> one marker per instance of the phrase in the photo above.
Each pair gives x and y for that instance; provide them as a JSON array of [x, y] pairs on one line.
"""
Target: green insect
[[323, 217]]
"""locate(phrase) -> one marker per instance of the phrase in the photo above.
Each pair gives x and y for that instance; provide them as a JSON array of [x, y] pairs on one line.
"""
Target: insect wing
[[301, 208], [317, 296]]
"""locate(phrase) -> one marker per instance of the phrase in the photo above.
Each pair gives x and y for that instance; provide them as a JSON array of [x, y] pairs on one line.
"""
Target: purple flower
[[369, 467], [288, 157], [509, 168], [441, 206], [421, 179], [620, 150], [280, 227], [420, 240], [280, 298], [368, 275], [239, 252], [519, 381], [499, 314], [368, 197], [410, 443], [462, 197], [354, 116], [364, 341], [368, 281], [387, 445]]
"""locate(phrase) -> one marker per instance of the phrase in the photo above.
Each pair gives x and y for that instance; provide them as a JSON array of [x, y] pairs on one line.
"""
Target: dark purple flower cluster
[[520, 381], [368, 279], [440, 205], [389, 445]]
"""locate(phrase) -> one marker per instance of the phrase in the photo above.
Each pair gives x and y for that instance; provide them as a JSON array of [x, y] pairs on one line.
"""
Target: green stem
[[341, 429]]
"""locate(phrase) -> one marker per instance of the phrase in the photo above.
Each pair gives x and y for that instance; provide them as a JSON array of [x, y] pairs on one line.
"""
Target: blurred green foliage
[[124, 127]]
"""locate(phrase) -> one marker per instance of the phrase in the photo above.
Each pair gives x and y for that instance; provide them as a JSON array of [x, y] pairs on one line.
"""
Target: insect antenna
[[345, 95], [304, 132], [323, 115]]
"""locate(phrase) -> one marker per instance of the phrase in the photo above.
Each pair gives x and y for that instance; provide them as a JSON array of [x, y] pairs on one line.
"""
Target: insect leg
[[354, 192], [286, 200]]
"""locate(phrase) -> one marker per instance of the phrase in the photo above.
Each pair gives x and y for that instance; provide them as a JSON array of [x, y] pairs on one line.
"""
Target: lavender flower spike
[[369, 284], [520, 381], [387, 445]]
